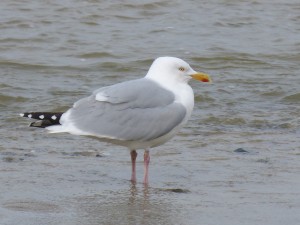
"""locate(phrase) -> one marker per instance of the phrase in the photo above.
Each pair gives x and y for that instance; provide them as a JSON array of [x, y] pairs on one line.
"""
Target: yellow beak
[[201, 77]]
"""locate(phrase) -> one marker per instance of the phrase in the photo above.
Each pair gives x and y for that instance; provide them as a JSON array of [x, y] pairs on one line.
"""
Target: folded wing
[[139, 110]]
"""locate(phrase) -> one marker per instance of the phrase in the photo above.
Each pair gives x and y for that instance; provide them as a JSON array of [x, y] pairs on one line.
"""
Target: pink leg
[[146, 165], [133, 155]]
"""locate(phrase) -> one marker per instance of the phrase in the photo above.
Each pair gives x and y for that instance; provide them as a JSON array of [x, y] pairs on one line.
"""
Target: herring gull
[[138, 114]]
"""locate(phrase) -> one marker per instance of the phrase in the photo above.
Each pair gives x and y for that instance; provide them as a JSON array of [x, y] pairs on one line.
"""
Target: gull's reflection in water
[[140, 200], [135, 205]]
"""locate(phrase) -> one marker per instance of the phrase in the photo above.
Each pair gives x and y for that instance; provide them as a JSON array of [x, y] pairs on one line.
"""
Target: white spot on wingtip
[[22, 114], [53, 117], [29, 116], [41, 117]]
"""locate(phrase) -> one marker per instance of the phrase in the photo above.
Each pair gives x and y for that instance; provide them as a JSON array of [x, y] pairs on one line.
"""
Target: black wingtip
[[41, 123], [45, 119]]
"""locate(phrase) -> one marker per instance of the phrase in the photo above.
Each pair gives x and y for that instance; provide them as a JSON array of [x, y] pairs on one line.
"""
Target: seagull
[[137, 114]]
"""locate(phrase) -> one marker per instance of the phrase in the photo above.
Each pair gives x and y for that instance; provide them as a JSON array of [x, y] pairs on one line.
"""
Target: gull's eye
[[181, 68]]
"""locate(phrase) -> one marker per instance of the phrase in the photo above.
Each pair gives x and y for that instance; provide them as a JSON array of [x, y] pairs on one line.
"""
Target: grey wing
[[133, 111]]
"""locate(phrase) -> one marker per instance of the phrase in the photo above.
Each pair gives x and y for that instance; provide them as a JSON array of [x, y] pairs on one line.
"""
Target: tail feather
[[45, 119]]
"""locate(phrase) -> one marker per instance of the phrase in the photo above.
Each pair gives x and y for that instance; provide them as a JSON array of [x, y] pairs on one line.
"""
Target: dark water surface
[[53, 53]]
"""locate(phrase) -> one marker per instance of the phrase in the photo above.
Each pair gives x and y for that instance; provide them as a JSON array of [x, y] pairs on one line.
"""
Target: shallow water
[[55, 52]]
